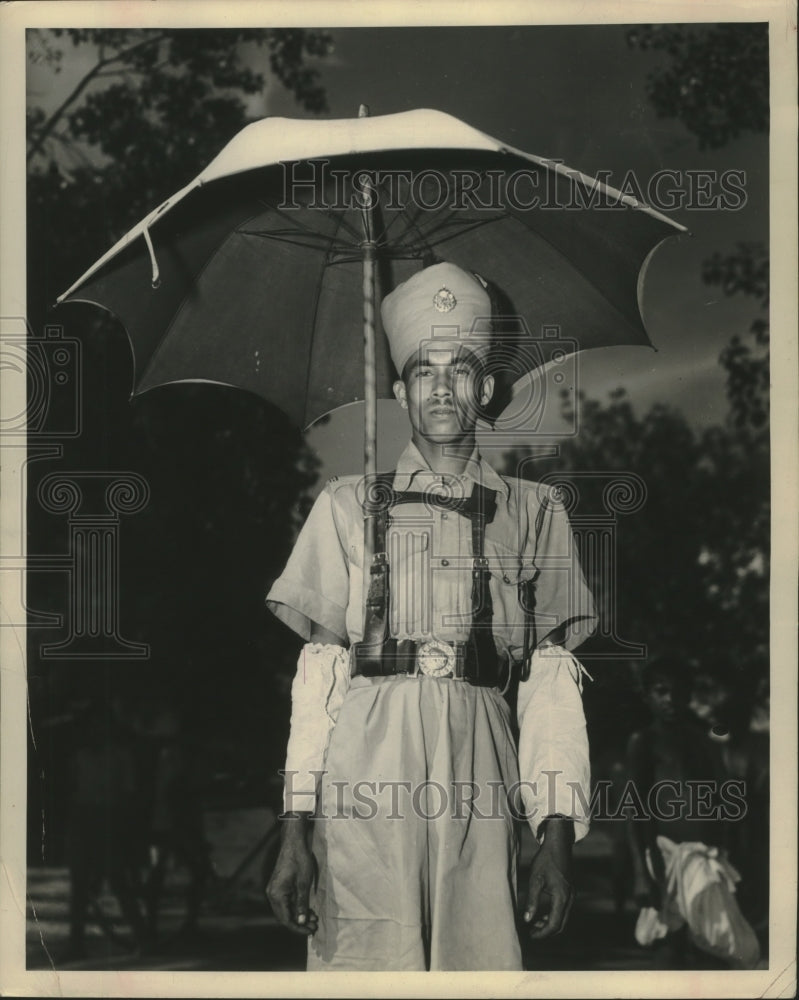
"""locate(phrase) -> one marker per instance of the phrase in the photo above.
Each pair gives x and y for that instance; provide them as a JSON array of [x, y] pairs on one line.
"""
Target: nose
[[442, 386]]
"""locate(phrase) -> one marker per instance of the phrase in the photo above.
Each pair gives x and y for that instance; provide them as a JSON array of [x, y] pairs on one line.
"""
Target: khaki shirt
[[430, 562]]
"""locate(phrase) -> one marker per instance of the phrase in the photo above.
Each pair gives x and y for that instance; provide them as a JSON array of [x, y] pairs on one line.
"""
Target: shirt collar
[[411, 464]]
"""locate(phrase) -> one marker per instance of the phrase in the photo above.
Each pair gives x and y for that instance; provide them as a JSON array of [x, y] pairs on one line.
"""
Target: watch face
[[435, 659]]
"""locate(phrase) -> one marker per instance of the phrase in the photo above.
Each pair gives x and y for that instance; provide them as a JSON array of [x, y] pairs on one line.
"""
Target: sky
[[572, 93]]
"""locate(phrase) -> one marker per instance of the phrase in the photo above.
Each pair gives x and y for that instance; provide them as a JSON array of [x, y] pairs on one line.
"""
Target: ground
[[238, 931]]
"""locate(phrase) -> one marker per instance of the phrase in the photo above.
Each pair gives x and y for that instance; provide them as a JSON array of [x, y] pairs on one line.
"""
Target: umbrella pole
[[369, 247], [369, 364], [369, 251]]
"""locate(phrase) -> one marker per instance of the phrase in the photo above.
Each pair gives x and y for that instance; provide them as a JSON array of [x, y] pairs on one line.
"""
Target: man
[[401, 738]]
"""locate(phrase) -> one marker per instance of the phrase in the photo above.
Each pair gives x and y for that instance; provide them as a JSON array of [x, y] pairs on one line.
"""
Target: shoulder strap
[[480, 508]]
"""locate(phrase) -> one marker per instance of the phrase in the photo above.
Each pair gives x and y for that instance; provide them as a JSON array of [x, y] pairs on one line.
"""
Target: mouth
[[442, 411]]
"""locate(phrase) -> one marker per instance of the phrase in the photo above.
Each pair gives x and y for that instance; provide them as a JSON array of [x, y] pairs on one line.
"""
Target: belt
[[423, 657]]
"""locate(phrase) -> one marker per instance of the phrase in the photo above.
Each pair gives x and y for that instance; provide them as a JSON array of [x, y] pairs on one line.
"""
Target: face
[[442, 390], [665, 698]]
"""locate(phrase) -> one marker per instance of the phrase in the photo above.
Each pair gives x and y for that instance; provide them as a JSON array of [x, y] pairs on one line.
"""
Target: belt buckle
[[436, 659]]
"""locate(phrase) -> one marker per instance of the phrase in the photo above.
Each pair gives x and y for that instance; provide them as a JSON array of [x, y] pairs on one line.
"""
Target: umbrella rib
[[384, 234], [299, 225], [426, 231], [162, 339], [170, 326], [444, 220], [464, 228], [323, 243], [411, 224], [429, 236]]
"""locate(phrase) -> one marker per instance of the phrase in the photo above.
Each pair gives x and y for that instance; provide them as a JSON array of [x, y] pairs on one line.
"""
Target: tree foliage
[[153, 108], [745, 272], [715, 79]]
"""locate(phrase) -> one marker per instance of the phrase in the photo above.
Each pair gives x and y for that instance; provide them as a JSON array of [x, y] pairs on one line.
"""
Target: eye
[[462, 371]]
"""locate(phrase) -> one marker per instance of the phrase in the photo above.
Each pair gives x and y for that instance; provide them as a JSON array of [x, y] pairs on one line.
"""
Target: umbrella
[[252, 275], [258, 272]]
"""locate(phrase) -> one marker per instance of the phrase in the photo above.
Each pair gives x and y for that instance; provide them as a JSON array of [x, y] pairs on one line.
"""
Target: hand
[[290, 885], [550, 893]]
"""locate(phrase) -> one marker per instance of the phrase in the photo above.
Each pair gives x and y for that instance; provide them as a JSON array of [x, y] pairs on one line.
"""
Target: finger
[[282, 897], [301, 907], [533, 898], [281, 906], [554, 917], [566, 912]]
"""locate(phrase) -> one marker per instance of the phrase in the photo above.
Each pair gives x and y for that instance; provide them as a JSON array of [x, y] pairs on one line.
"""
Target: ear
[[487, 390], [400, 394]]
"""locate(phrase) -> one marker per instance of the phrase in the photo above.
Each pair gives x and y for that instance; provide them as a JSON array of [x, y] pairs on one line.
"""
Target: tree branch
[[93, 73]]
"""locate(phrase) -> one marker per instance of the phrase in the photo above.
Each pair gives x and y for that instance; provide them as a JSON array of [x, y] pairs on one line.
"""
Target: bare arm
[[550, 893], [323, 636], [290, 885]]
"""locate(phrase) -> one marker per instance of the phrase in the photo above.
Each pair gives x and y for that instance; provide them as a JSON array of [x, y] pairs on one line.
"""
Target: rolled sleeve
[[554, 765], [314, 587], [319, 686]]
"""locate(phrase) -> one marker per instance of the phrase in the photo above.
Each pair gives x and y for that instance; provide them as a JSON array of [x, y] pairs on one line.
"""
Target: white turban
[[441, 301]]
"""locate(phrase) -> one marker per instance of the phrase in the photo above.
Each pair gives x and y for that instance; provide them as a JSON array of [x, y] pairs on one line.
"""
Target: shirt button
[[445, 562], [444, 516]]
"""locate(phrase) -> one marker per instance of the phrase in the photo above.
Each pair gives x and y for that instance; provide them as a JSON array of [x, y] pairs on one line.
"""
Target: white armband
[[554, 766], [318, 689]]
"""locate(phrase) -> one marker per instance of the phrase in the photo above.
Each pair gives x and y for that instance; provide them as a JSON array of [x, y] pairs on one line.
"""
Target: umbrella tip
[[363, 111]]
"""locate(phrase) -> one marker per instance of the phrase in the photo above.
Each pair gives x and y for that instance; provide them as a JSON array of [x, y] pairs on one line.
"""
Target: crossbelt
[[380, 654]]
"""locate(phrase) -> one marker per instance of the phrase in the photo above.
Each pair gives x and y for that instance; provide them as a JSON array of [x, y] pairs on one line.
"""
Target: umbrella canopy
[[252, 275]]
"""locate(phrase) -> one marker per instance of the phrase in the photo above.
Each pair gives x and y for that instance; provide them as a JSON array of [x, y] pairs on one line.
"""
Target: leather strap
[[481, 660], [379, 653]]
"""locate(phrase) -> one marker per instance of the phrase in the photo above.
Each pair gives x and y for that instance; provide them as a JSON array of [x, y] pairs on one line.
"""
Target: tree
[[151, 111], [168, 71], [693, 562], [715, 80]]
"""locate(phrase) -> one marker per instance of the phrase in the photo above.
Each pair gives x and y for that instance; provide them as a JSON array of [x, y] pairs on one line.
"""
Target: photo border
[[780, 978]]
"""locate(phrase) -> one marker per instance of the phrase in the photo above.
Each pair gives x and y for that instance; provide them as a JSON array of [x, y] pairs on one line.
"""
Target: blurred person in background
[[102, 827], [745, 755], [175, 832], [683, 880]]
